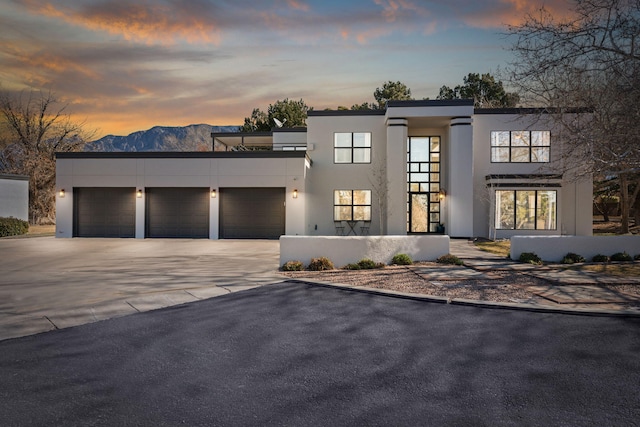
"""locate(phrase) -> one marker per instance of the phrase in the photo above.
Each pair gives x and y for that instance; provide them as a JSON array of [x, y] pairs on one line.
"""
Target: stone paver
[[582, 294]]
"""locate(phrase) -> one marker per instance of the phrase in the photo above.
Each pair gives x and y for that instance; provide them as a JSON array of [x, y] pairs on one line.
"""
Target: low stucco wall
[[554, 248], [343, 250]]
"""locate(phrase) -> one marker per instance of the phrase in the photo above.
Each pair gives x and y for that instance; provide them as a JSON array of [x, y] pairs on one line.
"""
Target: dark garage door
[[177, 212], [104, 212], [252, 213]]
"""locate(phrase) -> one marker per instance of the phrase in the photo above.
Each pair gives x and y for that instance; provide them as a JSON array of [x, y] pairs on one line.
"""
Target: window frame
[[352, 205], [352, 148], [497, 222], [511, 147]]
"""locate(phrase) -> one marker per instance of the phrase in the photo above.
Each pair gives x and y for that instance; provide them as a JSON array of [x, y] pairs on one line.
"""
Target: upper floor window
[[522, 146], [352, 147]]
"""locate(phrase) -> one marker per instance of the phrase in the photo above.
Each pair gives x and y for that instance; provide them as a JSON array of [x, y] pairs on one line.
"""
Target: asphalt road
[[296, 354]]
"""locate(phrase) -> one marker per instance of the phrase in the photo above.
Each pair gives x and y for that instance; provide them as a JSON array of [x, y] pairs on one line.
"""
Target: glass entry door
[[423, 182]]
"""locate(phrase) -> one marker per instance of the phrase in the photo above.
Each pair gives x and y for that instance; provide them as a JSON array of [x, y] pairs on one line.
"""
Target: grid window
[[521, 146], [352, 147], [352, 205], [423, 184], [526, 210]]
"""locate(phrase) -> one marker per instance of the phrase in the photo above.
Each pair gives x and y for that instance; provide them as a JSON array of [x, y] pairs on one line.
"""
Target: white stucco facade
[[14, 196], [418, 167]]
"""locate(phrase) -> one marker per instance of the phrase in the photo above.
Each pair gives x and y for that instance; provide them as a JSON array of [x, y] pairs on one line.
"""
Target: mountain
[[162, 138]]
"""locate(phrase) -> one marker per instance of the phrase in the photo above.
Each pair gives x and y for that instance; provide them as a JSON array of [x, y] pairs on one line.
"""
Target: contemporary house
[[417, 167]]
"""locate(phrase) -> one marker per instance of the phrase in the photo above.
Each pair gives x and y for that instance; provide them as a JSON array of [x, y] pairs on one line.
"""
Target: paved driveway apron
[[48, 283], [302, 355]]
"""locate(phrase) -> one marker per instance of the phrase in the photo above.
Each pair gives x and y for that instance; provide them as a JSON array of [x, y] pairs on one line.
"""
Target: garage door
[[252, 213], [104, 212], [177, 212]]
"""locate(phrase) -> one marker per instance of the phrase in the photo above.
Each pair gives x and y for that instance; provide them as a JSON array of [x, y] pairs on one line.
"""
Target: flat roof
[[259, 154], [14, 177]]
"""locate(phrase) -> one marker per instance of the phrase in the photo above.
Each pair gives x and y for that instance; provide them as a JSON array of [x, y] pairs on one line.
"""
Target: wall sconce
[[61, 193], [139, 194], [295, 193], [442, 193], [214, 194]]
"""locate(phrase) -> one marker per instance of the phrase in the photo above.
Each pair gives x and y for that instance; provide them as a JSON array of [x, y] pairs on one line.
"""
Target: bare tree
[[380, 185], [587, 63], [36, 127]]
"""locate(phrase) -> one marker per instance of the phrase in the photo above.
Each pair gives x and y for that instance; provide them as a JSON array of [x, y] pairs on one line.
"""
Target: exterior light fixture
[[61, 193], [442, 193], [214, 194], [295, 193], [139, 193]]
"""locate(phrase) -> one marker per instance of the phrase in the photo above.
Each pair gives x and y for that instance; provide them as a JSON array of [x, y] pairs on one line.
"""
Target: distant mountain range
[[162, 138]]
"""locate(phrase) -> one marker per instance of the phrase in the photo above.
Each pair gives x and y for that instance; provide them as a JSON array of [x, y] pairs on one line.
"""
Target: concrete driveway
[[48, 283]]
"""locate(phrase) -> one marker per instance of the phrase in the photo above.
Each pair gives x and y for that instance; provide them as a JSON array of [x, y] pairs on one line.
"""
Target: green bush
[[401, 259], [637, 257], [621, 256], [572, 258], [600, 258], [530, 258], [13, 227], [320, 264], [449, 259], [364, 264], [293, 266]]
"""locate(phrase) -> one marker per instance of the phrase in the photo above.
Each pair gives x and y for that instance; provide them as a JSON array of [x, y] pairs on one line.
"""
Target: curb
[[471, 303]]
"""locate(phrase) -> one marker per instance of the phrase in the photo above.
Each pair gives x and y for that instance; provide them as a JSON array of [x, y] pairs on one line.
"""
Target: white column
[[397, 132], [459, 196]]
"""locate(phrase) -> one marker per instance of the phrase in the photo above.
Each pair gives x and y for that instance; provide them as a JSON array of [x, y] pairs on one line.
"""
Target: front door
[[423, 177]]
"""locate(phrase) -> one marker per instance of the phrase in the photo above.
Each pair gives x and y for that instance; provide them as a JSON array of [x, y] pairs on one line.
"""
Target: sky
[[126, 65]]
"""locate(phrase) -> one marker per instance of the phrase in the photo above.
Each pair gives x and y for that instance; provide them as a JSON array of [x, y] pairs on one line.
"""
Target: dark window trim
[[352, 205], [530, 147], [352, 148], [535, 223]]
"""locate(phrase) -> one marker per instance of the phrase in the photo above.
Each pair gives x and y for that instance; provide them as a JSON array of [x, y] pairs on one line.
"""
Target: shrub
[[368, 264], [401, 259], [449, 259], [530, 258], [352, 267], [293, 266], [637, 257], [13, 227], [320, 264], [572, 258], [600, 258], [621, 256]]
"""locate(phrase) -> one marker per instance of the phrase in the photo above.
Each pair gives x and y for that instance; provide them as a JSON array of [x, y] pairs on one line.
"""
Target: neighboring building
[[416, 167], [14, 196]]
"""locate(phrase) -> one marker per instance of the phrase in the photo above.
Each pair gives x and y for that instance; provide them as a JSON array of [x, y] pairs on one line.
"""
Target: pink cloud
[[137, 21]]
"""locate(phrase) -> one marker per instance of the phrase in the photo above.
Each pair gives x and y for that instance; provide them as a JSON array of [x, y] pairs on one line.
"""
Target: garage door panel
[[104, 212], [177, 212], [252, 213]]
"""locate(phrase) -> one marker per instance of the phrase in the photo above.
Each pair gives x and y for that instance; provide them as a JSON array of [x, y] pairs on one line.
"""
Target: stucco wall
[[554, 248], [344, 250], [14, 196], [214, 173]]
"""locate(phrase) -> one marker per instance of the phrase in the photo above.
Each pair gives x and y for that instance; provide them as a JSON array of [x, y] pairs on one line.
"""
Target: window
[[352, 148], [526, 210], [352, 205], [423, 182], [521, 146]]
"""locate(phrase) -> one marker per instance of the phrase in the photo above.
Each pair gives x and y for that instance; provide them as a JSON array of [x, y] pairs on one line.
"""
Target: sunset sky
[[128, 65]]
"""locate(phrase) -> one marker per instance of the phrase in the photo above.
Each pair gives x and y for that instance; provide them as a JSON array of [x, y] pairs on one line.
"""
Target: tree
[[485, 91], [36, 127], [390, 91], [588, 62], [290, 113]]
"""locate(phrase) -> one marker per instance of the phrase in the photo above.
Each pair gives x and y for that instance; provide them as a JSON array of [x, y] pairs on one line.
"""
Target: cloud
[[500, 13], [163, 22]]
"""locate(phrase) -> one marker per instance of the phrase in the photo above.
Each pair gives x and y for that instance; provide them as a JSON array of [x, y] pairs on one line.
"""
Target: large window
[[423, 184], [521, 146], [352, 147], [352, 205], [526, 210]]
